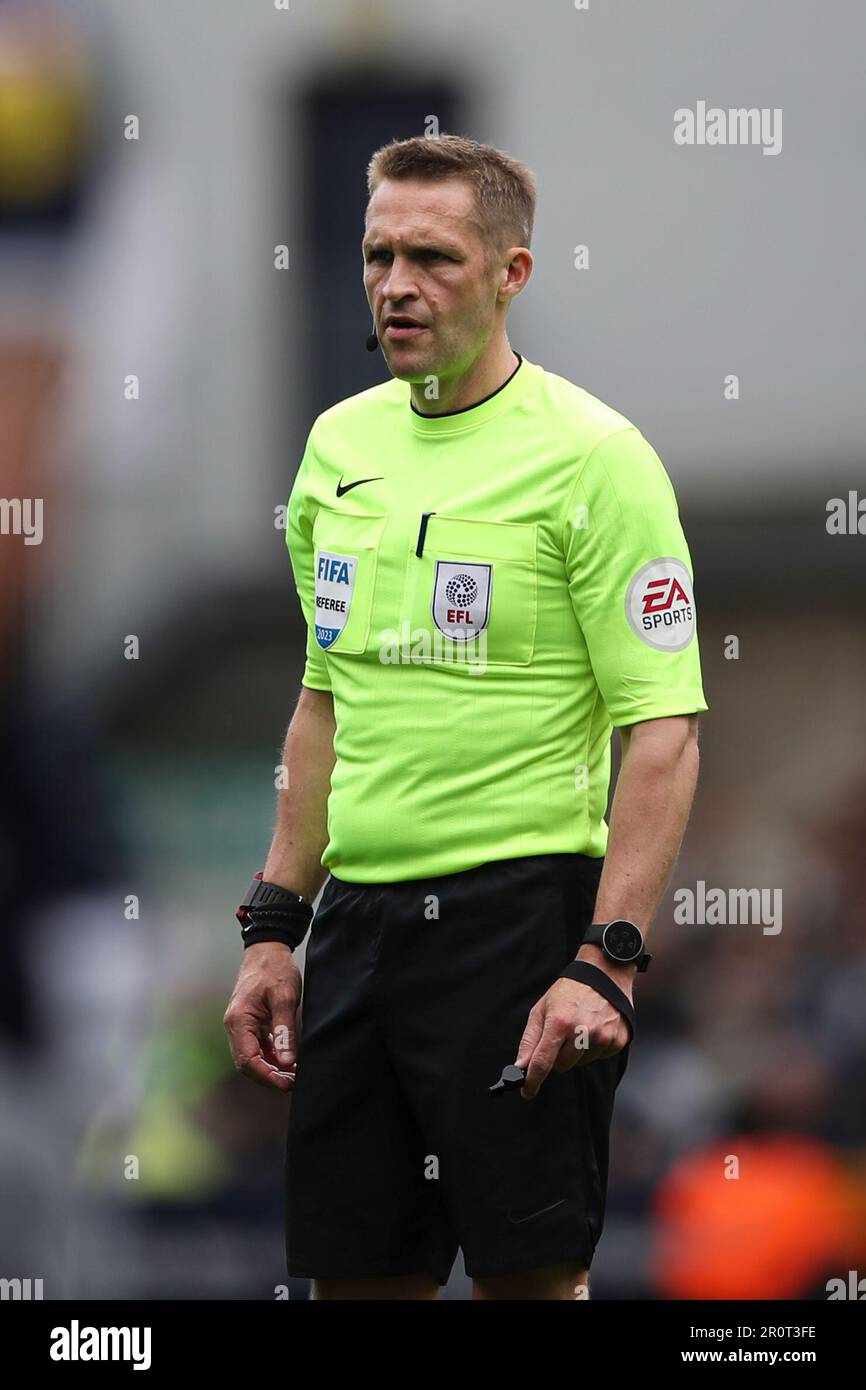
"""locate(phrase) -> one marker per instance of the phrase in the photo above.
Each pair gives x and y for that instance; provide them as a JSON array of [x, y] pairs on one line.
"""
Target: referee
[[493, 574]]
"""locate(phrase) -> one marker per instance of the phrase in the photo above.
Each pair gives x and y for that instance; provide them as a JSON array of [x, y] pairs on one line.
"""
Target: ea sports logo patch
[[335, 584], [461, 598], [660, 605]]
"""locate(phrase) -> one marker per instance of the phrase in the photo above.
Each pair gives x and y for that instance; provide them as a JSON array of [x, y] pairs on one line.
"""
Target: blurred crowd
[[752, 1049]]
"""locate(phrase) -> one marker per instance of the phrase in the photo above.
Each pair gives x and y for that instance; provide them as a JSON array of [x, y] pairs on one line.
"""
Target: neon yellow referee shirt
[[487, 594]]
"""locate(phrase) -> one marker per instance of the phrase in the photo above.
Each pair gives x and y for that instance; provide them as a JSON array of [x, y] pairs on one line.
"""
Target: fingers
[[531, 1035], [283, 1032], [260, 1071], [591, 1043], [249, 1059], [266, 1040], [558, 1038], [260, 1018], [551, 1043]]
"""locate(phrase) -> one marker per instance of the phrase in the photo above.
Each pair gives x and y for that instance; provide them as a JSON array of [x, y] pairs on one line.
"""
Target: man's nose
[[400, 281]]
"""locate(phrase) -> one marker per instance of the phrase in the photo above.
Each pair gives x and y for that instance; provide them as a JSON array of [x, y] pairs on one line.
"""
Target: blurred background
[[158, 376]]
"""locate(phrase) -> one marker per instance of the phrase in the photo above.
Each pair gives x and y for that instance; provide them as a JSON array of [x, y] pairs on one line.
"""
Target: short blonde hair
[[505, 189]]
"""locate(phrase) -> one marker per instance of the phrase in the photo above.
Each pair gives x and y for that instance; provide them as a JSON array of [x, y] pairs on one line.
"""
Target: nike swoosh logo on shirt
[[349, 486], [519, 1220]]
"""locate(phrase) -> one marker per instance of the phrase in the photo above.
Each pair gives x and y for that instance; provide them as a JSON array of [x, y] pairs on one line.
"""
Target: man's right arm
[[262, 1019], [301, 832]]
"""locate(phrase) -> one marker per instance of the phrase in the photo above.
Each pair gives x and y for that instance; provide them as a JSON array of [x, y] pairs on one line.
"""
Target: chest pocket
[[474, 589], [345, 560]]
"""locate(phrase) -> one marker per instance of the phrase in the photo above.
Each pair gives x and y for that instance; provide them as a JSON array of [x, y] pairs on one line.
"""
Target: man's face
[[424, 260]]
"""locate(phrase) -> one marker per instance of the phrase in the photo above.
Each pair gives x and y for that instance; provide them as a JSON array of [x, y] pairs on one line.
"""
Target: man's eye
[[429, 253]]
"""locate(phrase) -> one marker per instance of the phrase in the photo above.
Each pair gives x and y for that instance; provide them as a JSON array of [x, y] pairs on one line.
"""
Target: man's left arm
[[573, 1024], [651, 804], [629, 573]]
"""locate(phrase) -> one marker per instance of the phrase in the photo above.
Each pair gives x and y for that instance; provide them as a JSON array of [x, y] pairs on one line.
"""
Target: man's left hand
[[572, 1025]]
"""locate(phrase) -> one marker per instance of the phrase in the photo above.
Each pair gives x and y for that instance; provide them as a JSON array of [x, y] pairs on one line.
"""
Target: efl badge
[[660, 605], [335, 584], [461, 598]]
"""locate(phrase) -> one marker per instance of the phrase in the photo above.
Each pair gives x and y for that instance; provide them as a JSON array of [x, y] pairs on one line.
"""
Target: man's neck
[[482, 379]]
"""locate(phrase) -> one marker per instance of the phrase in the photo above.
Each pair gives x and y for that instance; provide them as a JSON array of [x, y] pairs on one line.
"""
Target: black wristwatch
[[621, 941], [270, 912]]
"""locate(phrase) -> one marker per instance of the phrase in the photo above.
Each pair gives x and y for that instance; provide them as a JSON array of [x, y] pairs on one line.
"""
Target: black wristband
[[587, 974], [254, 937], [288, 925], [270, 912]]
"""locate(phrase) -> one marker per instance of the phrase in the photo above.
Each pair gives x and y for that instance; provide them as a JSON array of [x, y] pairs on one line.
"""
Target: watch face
[[622, 940]]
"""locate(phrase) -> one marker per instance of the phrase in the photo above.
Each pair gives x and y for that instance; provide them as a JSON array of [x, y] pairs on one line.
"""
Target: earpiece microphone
[[372, 343]]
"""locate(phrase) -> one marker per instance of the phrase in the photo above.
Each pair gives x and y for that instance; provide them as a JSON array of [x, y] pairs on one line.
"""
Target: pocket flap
[[465, 537]]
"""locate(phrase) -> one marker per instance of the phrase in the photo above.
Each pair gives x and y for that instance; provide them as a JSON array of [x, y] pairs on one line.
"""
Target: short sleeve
[[631, 583], [299, 541]]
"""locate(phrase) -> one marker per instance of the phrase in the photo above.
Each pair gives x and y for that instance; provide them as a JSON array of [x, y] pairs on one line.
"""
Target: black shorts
[[416, 995]]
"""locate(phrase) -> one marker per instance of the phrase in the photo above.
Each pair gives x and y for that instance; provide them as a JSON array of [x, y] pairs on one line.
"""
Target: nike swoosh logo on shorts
[[349, 486], [519, 1220]]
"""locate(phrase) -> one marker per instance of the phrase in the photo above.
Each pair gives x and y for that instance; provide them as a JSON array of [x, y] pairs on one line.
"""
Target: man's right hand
[[263, 1019]]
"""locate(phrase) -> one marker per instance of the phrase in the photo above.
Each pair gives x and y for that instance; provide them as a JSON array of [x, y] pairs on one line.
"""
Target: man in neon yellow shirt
[[494, 576]]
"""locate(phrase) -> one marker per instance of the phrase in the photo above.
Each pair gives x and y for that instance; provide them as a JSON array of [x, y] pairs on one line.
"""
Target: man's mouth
[[398, 326]]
